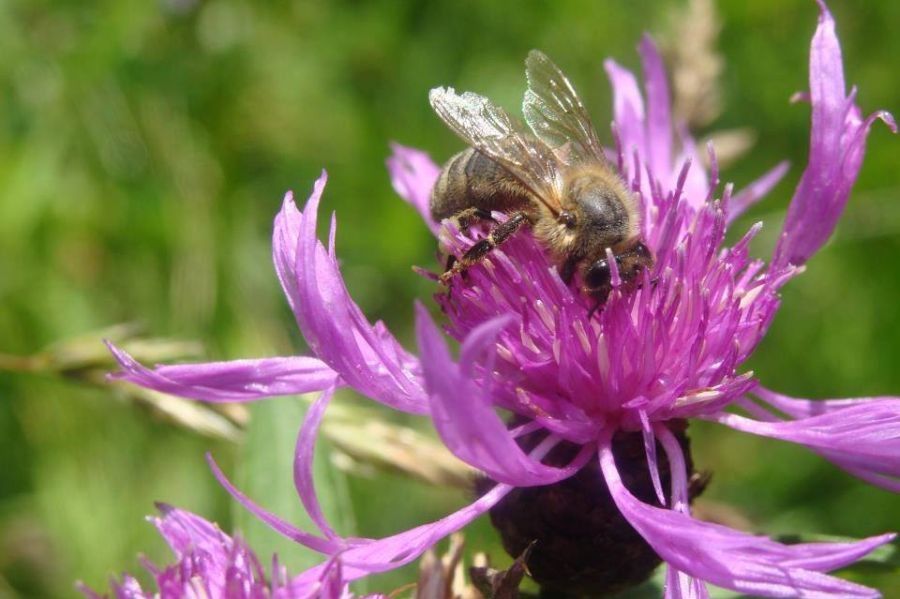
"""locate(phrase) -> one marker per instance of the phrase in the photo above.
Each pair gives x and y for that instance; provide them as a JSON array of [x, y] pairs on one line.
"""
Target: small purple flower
[[211, 565], [669, 350]]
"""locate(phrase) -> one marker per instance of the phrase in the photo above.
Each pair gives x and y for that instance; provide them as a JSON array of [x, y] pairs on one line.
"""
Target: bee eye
[[597, 275], [567, 219]]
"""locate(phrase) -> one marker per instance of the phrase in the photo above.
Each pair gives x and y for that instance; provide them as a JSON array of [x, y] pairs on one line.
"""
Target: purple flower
[[669, 350], [211, 565]]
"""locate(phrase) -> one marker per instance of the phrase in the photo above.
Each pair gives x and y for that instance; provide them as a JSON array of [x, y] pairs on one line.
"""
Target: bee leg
[[597, 306], [451, 262], [477, 252], [698, 483], [466, 218], [567, 271]]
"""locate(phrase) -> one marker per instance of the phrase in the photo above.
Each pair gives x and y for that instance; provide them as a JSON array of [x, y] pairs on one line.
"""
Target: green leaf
[[265, 474]]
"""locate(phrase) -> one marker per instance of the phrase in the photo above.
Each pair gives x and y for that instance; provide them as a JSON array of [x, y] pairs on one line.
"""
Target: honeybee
[[553, 178]]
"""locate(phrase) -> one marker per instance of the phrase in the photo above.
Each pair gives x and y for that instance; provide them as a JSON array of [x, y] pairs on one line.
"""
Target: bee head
[[597, 275], [600, 212]]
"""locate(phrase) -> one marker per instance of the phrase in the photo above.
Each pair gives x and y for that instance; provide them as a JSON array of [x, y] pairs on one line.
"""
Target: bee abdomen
[[472, 180], [450, 184]]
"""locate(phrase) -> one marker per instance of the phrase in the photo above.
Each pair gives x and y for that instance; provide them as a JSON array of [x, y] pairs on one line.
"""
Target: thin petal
[[368, 557], [659, 117], [650, 451], [805, 408], [628, 110], [681, 586], [184, 532], [413, 174], [329, 584], [757, 190], [333, 585], [864, 435], [678, 584], [274, 522], [129, 588], [234, 381], [696, 184], [837, 145], [365, 356], [198, 544], [303, 463], [888, 483], [462, 410], [734, 560]]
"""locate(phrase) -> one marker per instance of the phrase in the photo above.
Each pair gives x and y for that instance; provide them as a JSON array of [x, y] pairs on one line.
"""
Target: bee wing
[[556, 114], [493, 132]]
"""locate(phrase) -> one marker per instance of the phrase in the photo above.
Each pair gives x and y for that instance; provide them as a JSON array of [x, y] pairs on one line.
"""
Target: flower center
[[583, 546]]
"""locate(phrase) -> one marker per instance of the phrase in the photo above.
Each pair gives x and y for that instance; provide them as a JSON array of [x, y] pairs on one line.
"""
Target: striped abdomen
[[472, 180]]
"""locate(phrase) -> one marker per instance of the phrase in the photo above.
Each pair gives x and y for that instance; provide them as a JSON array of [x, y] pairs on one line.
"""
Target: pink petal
[[888, 483], [130, 588], [463, 413], [628, 111], [650, 451], [274, 522], [754, 192], [234, 381], [734, 560], [863, 436], [195, 540], [678, 584], [185, 532], [837, 145], [681, 586], [303, 463], [696, 184], [646, 143], [659, 117], [804, 408], [368, 557], [413, 174], [366, 357], [329, 584]]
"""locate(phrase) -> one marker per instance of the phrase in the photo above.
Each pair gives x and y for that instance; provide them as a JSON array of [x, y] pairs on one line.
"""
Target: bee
[[552, 177]]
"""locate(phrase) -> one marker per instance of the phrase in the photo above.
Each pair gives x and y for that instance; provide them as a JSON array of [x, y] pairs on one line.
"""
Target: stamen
[[578, 325], [614, 278], [713, 171], [545, 314]]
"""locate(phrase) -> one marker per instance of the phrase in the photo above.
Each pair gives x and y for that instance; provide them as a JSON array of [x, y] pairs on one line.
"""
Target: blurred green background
[[144, 150]]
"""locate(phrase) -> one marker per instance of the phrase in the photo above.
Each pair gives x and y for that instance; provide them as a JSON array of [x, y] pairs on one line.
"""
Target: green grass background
[[144, 150]]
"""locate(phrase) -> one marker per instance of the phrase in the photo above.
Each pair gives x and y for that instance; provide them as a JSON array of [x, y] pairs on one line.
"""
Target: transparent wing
[[556, 114], [492, 131]]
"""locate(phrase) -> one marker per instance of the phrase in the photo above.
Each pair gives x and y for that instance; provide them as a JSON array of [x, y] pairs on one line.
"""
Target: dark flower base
[[583, 547]]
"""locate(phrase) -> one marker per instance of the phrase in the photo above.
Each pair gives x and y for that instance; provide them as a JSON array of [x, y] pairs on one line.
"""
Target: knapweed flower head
[[667, 350], [212, 565]]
